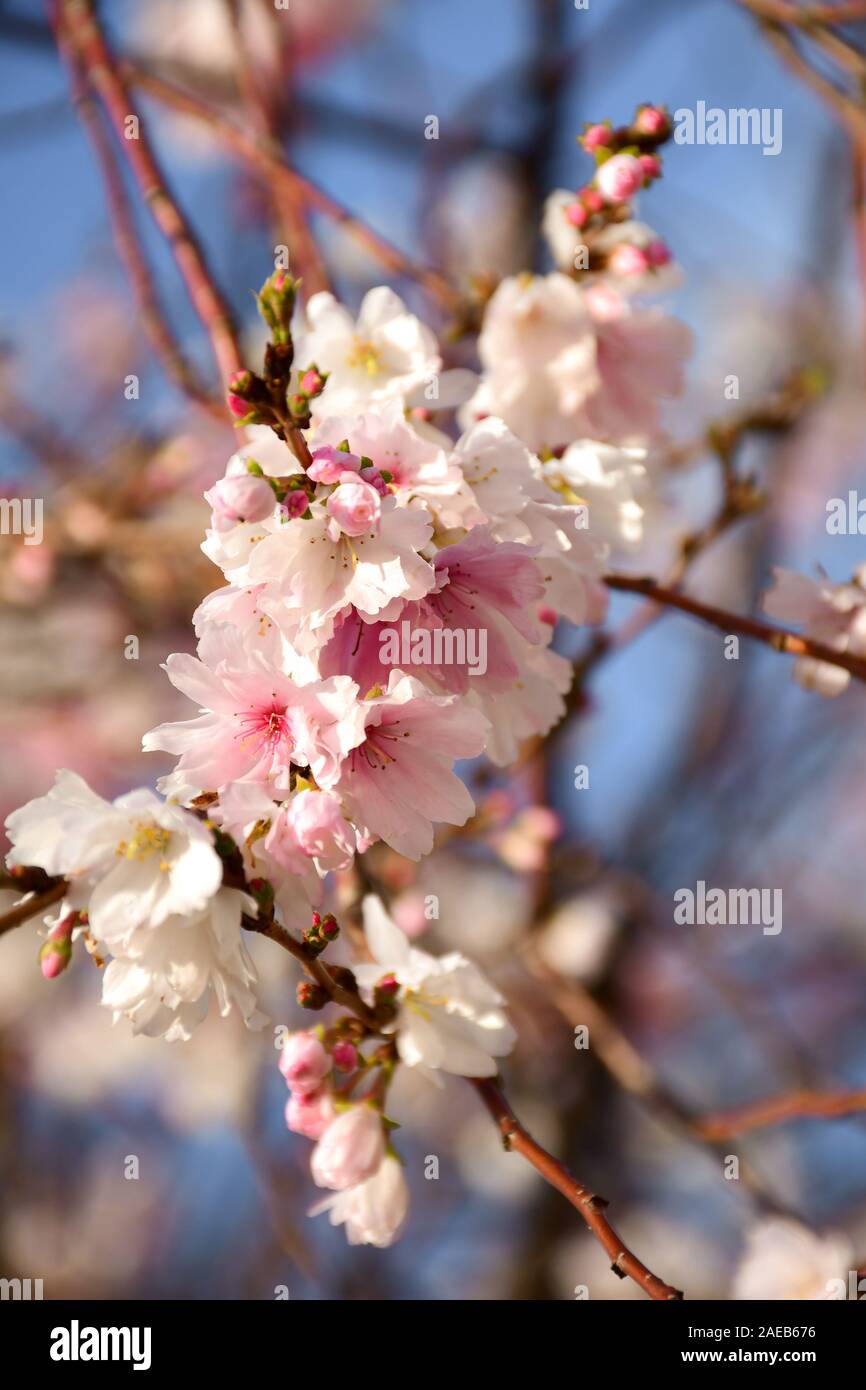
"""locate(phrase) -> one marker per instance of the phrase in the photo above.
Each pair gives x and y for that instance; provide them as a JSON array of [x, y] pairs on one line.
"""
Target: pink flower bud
[[345, 1056], [350, 1150], [311, 1114], [295, 503], [312, 382], [242, 497], [651, 121], [548, 615], [329, 464], [626, 259], [238, 406], [375, 479], [657, 253], [592, 201], [596, 135], [619, 178], [651, 165], [355, 507], [304, 1063], [56, 952], [576, 214]]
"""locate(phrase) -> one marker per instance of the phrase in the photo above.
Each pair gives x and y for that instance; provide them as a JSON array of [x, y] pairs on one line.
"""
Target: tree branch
[[104, 76], [265, 154], [776, 637]]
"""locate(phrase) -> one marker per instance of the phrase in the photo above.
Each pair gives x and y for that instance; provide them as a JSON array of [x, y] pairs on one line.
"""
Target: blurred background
[[700, 768]]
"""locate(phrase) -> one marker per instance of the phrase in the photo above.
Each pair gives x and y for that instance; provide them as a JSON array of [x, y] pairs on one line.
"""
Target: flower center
[[147, 839], [364, 356]]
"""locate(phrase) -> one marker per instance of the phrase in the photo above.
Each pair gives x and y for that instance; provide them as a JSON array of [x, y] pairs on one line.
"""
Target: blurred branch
[[776, 1109], [776, 637], [126, 239], [289, 207], [103, 73], [267, 155]]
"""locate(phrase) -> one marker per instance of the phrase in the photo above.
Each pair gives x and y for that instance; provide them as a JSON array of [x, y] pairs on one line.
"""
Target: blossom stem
[[587, 1204], [776, 637], [105, 77]]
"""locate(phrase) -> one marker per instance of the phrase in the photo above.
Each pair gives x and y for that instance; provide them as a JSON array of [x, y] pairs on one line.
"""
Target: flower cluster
[[392, 587]]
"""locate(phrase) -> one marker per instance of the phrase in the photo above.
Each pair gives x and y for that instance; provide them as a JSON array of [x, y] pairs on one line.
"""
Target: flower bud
[[576, 214], [651, 120], [651, 166], [311, 996], [329, 464], [56, 951], [627, 259], [657, 253], [619, 178], [294, 504], [243, 497], [355, 507], [345, 1056], [304, 1063], [350, 1150], [595, 136], [311, 1114], [276, 301], [592, 200], [312, 381]]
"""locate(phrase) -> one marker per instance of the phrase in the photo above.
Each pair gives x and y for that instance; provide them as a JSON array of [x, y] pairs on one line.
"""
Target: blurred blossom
[[784, 1260], [576, 940]]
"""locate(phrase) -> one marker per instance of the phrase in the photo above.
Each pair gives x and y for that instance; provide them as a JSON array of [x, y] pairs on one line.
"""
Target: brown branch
[[32, 907], [265, 154], [776, 1109], [776, 637], [105, 77], [844, 106], [586, 1203], [126, 240], [590, 1206], [786, 12]]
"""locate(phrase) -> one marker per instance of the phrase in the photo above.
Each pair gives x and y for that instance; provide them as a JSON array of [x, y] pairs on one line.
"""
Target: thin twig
[[129, 249], [776, 1109], [105, 77], [590, 1206]]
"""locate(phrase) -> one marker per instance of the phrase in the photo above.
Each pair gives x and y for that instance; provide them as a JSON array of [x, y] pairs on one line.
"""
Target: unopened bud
[[312, 381], [311, 996], [345, 1056], [595, 136]]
